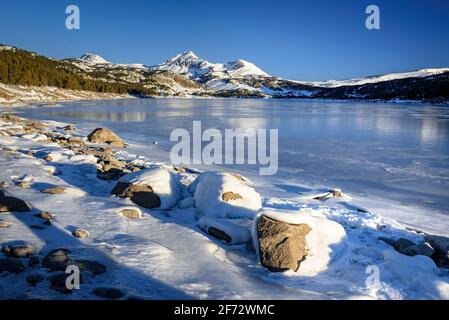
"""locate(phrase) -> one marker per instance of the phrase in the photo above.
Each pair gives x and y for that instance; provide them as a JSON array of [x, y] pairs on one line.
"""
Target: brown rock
[[18, 250], [228, 196], [54, 190], [130, 213], [104, 135], [23, 185], [4, 224], [282, 246], [69, 128], [80, 233], [11, 204], [78, 140], [140, 194], [57, 260], [44, 215]]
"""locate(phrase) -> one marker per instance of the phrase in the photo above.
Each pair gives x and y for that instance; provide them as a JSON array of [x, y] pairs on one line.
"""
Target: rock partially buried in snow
[[5, 224], [34, 279], [402, 244], [57, 260], [104, 135], [80, 233], [63, 190], [12, 204], [324, 239], [130, 212], [225, 230], [93, 267], [18, 251], [423, 249], [282, 246], [225, 195], [150, 188], [54, 190]]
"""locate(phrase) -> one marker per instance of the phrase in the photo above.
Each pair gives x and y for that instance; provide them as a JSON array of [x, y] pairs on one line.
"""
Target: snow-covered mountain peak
[[242, 68], [93, 58], [184, 59]]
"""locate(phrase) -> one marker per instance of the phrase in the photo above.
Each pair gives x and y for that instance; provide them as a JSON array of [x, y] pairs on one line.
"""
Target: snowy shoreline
[[168, 247]]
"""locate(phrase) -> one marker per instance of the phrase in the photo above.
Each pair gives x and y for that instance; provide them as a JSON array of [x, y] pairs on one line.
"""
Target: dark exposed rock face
[[219, 234], [93, 267], [12, 204], [11, 265], [441, 247], [402, 244], [34, 279], [104, 135], [282, 246], [142, 195]]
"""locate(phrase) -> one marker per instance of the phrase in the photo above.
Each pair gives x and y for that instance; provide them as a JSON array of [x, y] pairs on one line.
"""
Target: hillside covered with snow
[[187, 75]]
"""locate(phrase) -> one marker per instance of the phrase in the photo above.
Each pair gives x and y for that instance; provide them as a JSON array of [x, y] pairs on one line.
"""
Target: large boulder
[[12, 204], [282, 246], [225, 195], [104, 135], [149, 188], [303, 241]]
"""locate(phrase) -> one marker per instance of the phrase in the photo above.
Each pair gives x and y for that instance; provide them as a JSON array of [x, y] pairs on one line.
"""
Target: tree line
[[21, 67]]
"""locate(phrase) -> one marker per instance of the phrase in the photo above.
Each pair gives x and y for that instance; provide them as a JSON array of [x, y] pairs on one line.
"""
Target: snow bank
[[163, 183], [209, 192], [324, 241], [238, 234]]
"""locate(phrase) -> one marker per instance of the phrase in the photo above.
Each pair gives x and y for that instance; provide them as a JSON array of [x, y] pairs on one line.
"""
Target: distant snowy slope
[[93, 58], [375, 79]]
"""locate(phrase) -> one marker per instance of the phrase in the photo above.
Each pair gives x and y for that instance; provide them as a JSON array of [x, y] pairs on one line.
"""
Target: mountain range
[[188, 75]]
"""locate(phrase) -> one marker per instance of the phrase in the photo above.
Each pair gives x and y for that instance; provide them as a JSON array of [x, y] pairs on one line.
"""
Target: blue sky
[[305, 40]]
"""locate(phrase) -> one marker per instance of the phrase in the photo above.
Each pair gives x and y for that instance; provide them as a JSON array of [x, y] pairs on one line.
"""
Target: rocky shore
[[69, 199]]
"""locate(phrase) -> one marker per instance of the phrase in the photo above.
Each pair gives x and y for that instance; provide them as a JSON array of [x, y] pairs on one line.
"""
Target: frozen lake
[[393, 158]]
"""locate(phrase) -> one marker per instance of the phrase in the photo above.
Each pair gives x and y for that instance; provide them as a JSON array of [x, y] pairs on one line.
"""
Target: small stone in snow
[[34, 279], [54, 190], [80, 233]]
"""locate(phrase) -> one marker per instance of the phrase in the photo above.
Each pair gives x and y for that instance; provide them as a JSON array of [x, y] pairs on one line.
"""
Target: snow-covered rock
[[224, 195], [225, 230], [150, 188], [324, 241], [105, 135]]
